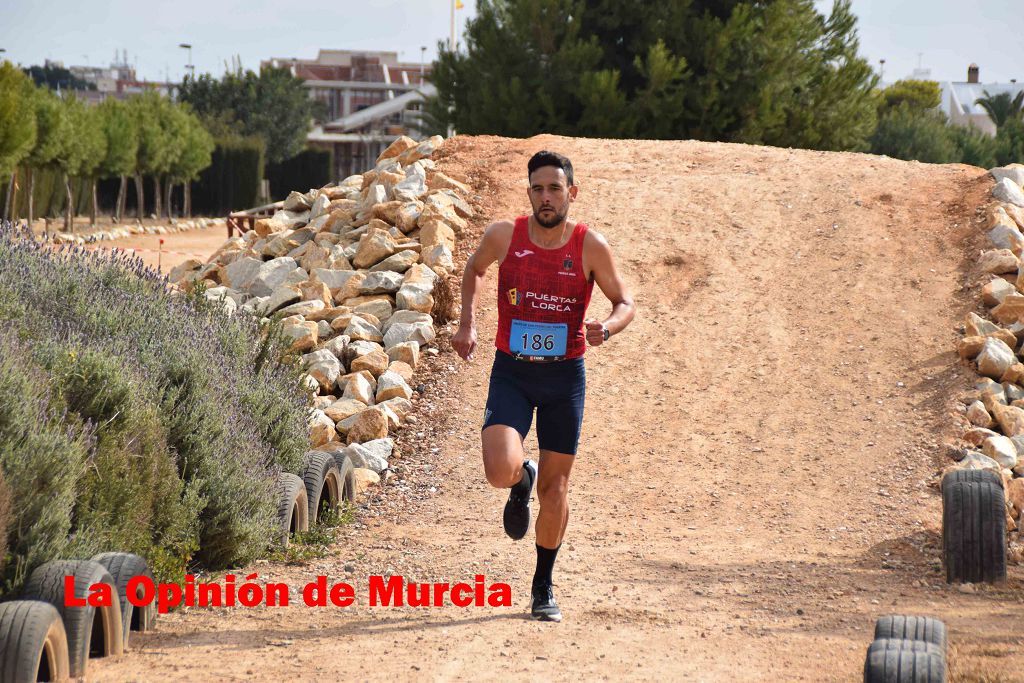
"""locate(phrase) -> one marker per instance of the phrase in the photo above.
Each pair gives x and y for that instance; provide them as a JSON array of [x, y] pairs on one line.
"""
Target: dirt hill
[[756, 480]]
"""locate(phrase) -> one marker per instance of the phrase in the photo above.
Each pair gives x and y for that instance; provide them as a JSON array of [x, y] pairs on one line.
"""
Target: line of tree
[[775, 73], [272, 105], [144, 136]]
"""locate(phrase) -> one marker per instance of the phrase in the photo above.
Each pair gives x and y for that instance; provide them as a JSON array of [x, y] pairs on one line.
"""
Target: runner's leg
[[559, 418], [552, 492], [503, 455], [507, 419]]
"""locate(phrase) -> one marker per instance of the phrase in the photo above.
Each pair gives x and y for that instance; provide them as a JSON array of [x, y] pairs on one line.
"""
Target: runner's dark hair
[[546, 158]]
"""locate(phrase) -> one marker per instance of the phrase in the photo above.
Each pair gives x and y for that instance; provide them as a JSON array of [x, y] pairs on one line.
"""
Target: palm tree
[[1001, 108]]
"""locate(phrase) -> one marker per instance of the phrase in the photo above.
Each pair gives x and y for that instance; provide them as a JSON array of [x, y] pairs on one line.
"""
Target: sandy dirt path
[[756, 481], [177, 247]]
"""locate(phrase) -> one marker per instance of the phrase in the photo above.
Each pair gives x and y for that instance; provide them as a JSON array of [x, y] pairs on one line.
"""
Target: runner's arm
[[496, 236], [606, 275]]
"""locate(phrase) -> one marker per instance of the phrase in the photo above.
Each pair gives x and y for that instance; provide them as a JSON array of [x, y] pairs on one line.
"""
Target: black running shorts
[[555, 390]]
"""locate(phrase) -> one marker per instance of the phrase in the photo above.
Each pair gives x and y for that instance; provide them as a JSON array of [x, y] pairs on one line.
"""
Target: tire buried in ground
[[33, 644], [973, 531], [323, 484], [902, 627], [91, 631], [292, 507], [972, 476], [904, 661], [123, 567], [348, 478]]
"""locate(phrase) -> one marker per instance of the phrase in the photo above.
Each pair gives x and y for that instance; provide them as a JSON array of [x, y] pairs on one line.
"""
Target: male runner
[[547, 270]]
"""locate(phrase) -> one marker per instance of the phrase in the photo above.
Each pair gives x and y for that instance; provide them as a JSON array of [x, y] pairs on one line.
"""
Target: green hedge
[[309, 169], [134, 420], [50, 194], [232, 181]]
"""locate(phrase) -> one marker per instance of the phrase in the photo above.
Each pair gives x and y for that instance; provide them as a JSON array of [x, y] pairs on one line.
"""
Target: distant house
[[118, 81], [959, 98], [371, 99]]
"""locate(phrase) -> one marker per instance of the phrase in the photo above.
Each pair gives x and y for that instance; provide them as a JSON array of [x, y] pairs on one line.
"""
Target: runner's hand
[[595, 332], [464, 342]]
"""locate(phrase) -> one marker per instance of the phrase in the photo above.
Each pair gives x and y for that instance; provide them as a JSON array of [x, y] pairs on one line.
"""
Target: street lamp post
[[190, 66], [881, 70], [451, 41], [423, 56]]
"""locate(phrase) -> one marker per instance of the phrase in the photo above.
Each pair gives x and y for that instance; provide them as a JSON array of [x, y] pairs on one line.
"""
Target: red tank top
[[542, 297]]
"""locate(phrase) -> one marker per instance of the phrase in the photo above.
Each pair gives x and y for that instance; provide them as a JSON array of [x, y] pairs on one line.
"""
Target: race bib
[[538, 339]]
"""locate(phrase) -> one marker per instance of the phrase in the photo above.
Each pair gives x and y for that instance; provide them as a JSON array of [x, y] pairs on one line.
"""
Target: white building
[[959, 100], [370, 98]]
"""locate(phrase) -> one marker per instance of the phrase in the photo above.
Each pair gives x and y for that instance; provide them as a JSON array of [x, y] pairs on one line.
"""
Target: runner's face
[[550, 196]]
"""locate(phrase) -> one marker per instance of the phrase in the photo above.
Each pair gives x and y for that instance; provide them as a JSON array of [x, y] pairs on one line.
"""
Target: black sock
[[545, 563], [524, 484]]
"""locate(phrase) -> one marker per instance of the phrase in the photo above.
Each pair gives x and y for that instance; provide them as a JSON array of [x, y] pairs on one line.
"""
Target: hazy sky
[[949, 35], [151, 30]]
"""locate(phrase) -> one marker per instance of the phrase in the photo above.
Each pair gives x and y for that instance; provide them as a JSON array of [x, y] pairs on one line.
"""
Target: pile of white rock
[[351, 270], [121, 232], [994, 409]]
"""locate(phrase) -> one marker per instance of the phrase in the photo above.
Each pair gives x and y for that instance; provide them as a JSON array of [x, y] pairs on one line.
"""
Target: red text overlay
[[391, 591]]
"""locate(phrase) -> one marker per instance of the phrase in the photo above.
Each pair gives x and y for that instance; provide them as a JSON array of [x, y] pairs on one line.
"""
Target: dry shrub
[[444, 301]]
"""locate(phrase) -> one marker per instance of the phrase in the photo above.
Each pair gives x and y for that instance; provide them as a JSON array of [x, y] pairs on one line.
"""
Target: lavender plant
[[43, 452], [185, 415]]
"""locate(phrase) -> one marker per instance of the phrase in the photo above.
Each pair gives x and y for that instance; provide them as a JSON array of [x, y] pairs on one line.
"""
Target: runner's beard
[[555, 220]]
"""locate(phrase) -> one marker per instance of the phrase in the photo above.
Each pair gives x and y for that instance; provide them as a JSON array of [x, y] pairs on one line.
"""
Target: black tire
[[348, 477], [323, 484], [902, 627], [292, 507], [124, 567], [33, 644], [974, 532], [904, 665], [973, 476], [91, 631], [910, 644]]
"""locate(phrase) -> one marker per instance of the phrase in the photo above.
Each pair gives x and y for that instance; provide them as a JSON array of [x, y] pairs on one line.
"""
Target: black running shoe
[[543, 606], [517, 509]]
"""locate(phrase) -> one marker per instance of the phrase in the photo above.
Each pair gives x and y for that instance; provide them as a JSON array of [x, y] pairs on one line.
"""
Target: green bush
[[973, 146], [169, 420], [905, 133], [132, 481], [1010, 143], [43, 454]]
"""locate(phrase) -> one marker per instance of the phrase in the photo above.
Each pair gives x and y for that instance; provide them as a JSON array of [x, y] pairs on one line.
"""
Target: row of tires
[[973, 526], [910, 649], [907, 650], [42, 639], [327, 482]]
